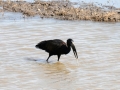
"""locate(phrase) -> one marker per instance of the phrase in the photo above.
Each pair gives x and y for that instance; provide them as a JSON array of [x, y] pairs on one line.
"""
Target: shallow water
[[23, 67]]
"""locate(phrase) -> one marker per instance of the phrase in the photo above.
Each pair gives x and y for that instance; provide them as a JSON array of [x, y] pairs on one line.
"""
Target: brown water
[[23, 67]]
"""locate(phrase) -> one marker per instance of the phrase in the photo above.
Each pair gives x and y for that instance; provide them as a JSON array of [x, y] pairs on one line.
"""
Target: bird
[[57, 47]]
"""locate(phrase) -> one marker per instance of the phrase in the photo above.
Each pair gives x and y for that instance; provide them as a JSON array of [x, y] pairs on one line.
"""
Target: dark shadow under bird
[[57, 47]]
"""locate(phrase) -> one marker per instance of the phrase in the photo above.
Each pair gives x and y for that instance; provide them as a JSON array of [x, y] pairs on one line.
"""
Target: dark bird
[[57, 47]]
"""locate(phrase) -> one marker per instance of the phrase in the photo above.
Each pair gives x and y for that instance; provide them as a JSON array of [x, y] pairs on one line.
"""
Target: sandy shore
[[64, 10]]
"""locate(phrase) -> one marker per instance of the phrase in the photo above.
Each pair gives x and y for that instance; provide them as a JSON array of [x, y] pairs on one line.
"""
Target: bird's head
[[70, 43], [69, 40]]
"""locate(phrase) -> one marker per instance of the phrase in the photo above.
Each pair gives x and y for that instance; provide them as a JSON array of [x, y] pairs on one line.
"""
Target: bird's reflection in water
[[56, 73], [53, 68]]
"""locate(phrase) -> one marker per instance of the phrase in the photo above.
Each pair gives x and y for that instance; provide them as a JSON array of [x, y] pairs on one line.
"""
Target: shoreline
[[63, 10]]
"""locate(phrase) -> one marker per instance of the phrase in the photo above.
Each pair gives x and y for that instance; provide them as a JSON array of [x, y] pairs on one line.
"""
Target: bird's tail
[[41, 45]]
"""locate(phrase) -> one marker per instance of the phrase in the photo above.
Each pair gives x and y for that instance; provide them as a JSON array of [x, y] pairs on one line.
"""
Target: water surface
[[23, 67]]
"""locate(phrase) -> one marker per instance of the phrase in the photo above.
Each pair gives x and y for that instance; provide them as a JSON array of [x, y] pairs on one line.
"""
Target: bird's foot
[[47, 61]]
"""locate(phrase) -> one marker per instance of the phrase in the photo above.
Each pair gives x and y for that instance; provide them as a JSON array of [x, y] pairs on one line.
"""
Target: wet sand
[[64, 10]]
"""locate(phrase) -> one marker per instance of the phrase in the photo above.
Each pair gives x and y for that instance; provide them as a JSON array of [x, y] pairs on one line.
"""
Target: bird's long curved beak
[[74, 50]]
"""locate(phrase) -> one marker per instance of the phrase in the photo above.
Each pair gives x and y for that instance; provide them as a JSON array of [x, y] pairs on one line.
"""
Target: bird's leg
[[48, 57], [59, 57]]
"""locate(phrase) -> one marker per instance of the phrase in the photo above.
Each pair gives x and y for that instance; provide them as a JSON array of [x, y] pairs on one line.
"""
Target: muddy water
[[23, 67]]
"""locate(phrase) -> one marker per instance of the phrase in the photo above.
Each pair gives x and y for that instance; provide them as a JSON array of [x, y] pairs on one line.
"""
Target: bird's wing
[[53, 45]]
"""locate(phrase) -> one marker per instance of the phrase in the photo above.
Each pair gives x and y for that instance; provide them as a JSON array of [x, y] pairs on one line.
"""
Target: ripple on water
[[25, 67]]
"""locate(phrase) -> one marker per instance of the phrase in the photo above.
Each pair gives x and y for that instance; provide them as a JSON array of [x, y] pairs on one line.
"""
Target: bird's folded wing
[[53, 45]]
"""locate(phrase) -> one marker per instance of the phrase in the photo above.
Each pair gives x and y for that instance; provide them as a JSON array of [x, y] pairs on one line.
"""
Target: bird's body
[[56, 47]]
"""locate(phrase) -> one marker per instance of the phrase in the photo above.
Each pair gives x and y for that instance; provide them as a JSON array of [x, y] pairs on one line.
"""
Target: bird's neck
[[69, 47]]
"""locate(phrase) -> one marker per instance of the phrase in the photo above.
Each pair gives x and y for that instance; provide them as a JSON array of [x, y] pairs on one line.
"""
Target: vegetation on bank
[[64, 10]]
